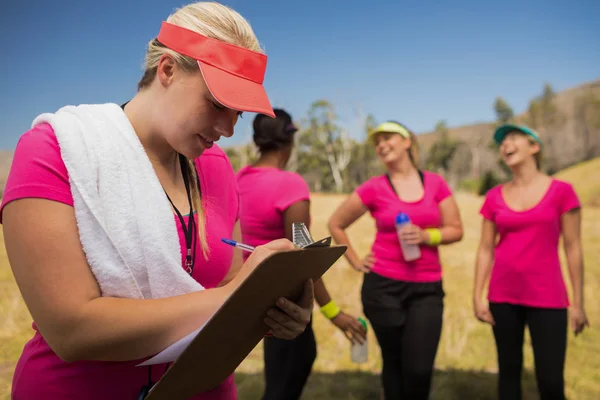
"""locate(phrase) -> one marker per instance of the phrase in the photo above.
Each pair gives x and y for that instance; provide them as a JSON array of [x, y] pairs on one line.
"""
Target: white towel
[[126, 225]]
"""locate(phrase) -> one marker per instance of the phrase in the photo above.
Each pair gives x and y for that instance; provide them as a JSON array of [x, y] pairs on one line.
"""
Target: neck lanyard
[[190, 231]]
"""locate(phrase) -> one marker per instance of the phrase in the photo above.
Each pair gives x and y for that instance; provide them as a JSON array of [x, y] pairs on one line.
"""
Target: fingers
[[411, 235], [362, 268], [366, 264], [289, 320], [280, 244], [301, 311], [288, 331], [356, 332], [352, 329], [485, 316]]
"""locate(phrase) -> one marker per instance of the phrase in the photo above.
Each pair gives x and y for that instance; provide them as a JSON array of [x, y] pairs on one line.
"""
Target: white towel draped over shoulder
[[126, 225]]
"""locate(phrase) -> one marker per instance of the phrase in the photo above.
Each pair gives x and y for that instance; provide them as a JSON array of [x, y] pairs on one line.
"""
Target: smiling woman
[[402, 298], [523, 220], [123, 208]]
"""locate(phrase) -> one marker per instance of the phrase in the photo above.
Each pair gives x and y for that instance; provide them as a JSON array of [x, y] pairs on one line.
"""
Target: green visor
[[505, 129]]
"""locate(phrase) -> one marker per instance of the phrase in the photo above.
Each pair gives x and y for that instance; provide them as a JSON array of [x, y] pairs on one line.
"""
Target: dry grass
[[584, 177], [466, 361]]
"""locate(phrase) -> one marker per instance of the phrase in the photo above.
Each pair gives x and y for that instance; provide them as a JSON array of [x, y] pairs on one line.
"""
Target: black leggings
[[288, 364], [548, 330], [407, 320]]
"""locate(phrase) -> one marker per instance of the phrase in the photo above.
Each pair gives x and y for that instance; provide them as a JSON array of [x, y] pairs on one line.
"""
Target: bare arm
[[345, 215], [64, 299], [238, 260], [571, 229], [451, 226], [485, 258]]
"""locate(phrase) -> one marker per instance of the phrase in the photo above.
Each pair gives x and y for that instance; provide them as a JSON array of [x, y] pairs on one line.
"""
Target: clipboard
[[238, 326]]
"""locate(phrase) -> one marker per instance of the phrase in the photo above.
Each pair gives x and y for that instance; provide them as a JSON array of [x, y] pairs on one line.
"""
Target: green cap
[[363, 322], [505, 129]]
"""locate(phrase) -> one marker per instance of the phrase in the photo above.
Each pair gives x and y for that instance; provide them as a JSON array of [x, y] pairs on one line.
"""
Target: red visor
[[234, 75]]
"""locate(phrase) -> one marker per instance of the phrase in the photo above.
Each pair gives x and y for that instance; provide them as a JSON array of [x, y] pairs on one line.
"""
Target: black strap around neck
[[389, 179]]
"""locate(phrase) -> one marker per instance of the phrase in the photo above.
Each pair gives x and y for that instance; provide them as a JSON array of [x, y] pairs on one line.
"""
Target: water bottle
[[360, 352], [410, 251]]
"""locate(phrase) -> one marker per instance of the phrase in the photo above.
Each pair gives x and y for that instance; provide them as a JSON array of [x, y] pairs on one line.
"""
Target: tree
[[460, 163], [442, 150], [364, 159], [331, 143], [488, 181], [504, 113]]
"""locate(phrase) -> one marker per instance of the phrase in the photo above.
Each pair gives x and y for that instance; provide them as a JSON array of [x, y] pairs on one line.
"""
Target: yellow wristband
[[330, 310], [435, 236]]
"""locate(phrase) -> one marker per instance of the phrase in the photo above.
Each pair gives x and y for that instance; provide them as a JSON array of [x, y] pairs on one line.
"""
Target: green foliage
[[441, 152], [488, 181], [469, 185], [504, 113]]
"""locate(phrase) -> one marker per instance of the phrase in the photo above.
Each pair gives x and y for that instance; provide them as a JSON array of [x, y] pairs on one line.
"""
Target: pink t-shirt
[[265, 193], [38, 171], [379, 197], [526, 267]]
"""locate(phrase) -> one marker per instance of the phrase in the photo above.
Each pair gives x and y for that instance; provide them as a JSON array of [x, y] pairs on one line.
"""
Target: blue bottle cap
[[402, 218]]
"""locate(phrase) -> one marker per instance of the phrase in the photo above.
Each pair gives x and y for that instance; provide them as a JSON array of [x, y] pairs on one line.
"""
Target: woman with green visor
[[402, 293], [528, 214]]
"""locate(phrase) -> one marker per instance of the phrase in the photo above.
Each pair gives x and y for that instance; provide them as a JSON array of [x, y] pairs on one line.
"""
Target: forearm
[[575, 264], [117, 329], [321, 294], [341, 238], [450, 234], [483, 268]]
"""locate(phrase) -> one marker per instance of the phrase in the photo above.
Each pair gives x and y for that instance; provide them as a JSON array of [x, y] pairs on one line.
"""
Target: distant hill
[[568, 143], [585, 178]]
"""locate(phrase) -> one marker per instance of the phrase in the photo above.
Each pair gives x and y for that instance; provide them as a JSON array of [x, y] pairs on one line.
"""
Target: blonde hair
[[213, 20], [413, 151]]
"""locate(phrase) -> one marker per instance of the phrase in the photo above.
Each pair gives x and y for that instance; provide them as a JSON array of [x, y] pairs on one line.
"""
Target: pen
[[242, 246]]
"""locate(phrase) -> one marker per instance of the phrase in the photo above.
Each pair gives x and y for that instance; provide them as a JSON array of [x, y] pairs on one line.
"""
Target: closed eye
[[221, 108]]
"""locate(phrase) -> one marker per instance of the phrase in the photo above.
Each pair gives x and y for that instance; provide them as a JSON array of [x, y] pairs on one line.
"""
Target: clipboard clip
[[302, 238]]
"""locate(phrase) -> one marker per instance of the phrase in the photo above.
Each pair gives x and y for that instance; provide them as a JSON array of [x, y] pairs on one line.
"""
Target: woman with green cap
[[528, 214], [402, 291]]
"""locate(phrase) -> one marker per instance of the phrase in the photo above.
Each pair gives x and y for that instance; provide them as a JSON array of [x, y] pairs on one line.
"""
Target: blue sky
[[417, 62]]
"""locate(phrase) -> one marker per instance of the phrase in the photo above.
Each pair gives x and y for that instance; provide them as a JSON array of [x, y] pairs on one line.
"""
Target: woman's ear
[[165, 70], [535, 147]]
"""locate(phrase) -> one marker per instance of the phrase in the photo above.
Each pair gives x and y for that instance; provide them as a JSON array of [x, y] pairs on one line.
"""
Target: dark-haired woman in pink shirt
[[402, 299], [527, 215]]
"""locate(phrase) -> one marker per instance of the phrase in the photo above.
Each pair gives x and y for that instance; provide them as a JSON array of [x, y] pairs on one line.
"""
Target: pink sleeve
[[367, 193], [443, 190], [294, 189], [487, 210], [569, 199], [37, 169]]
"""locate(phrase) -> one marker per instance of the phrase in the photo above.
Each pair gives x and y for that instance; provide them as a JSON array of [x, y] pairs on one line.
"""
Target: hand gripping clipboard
[[237, 327]]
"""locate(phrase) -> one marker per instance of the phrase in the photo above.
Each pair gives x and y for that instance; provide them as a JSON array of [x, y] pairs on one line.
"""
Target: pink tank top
[[38, 171]]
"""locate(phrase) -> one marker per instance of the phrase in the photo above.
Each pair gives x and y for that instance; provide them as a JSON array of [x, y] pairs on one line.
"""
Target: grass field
[[466, 360]]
